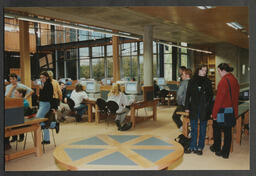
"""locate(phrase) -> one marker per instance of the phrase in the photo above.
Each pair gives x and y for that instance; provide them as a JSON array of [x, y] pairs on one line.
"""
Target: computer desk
[[30, 125]]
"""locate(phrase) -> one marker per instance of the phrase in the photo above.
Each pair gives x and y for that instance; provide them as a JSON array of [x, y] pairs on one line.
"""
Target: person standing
[[45, 98], [181, 97], [198, 103], [57, 93], [223, 99]]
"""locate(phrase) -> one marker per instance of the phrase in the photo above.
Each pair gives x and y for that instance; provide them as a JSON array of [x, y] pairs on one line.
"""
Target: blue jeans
[[44, 107], [81, 109], [202, 132], [46, 136]]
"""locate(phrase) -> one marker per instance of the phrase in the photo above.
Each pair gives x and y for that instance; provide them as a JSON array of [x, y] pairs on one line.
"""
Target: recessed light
[[235, 25], [205, 7]]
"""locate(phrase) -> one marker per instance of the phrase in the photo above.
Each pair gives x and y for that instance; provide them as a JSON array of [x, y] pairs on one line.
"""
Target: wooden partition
[[148, 93]]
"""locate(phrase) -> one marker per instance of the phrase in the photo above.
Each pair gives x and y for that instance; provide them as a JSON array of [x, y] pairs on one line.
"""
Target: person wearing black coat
[[198, 103]]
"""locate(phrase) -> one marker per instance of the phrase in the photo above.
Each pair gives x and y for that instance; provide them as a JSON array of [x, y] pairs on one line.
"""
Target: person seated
[[121, 99], [156, 89], [20, 93], [68, 82], [78, 95], [63, 108]]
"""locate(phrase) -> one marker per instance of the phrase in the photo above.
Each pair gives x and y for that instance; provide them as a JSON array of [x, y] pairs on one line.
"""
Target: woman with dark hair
[[198, 104], [45, 97], [78, 95], [227, 96]]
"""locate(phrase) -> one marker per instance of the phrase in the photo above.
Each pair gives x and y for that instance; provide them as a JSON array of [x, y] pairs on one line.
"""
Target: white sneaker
[[189, 135], [181, 129]]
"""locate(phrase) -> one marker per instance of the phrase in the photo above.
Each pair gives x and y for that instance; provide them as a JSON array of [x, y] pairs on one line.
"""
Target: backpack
[[183, 140]]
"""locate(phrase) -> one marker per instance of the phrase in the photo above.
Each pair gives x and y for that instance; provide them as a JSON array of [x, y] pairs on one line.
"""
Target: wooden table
[[30, 125], [118, 152], [243, 109], [143, 104]]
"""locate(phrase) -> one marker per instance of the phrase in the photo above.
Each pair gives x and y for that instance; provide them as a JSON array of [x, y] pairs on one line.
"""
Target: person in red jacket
[[223, 100]]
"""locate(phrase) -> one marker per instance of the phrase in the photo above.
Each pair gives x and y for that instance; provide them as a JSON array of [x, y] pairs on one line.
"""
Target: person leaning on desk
[[10, 91]]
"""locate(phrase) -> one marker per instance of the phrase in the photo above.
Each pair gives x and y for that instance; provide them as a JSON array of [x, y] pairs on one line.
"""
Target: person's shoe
[[45, 142], [218, 153], [199, 152], [188, 151], [225, 156], [21, 139], [126, 126], [181, 129], [57, 127], [13, 139], [212, 149], [118, 124]]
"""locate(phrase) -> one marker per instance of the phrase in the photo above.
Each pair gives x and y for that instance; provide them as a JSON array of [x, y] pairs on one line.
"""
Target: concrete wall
[[234, 56]]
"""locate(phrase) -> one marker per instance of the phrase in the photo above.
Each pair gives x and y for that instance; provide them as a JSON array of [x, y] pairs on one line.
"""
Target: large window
[[168, 63]]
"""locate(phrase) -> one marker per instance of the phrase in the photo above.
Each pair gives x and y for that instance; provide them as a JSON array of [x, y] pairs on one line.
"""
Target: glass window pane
[[98, 69], [168, 72], [184, 60]]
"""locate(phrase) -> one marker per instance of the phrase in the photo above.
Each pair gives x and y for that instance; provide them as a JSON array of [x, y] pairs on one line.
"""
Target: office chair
[[103, 110], [112, 107]]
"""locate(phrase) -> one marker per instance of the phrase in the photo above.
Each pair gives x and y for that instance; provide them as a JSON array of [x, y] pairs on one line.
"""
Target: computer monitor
[[92, 86], [107, 81], [161, 81], [132, 87]]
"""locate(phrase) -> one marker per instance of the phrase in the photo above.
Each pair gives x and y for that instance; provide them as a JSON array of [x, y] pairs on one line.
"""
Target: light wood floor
[[164, 126]]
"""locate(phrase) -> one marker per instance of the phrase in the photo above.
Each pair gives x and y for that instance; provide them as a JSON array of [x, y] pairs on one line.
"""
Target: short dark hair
[[199, 68], [183, 67], [22, 91], [79, 88], [13, 75], [226, 67], [46, 74]]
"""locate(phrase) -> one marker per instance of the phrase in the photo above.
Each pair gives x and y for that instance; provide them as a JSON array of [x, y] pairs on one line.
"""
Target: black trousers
[[176, 117], [217, 138]]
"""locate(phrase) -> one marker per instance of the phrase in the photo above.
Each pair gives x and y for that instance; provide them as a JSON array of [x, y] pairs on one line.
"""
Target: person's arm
[[220, 97], [59, 92], [29, 91], [188, 96], [9, 93]]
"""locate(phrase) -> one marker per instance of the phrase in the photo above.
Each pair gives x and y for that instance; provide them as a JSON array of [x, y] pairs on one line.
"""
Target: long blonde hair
[[115, 90]]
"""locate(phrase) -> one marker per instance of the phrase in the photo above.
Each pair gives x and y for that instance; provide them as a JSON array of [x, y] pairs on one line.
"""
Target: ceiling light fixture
[[235, 25], [205, 7], [188, 48]]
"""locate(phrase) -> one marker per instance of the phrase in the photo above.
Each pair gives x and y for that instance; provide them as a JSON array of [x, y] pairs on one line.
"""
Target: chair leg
[[16, 144], [53, 138], [25, 140], [43, 143]]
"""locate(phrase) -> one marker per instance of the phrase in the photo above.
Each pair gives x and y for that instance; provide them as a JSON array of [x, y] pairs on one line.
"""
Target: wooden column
[[25, 54], [116, 61]]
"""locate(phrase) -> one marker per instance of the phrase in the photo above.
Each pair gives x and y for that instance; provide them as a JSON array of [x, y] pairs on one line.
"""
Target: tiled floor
[[164, 126]]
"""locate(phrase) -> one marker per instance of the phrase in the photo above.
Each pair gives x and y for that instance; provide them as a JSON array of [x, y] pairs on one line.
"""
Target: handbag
[[226, 116]]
